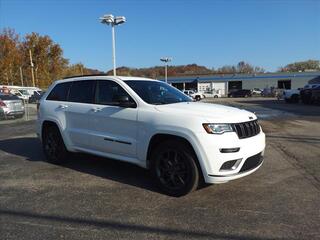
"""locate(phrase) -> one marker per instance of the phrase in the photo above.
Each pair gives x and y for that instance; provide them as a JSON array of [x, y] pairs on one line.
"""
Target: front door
[[115, 127]]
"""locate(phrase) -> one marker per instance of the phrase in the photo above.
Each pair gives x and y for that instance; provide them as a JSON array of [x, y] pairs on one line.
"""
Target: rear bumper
[[13, 113]]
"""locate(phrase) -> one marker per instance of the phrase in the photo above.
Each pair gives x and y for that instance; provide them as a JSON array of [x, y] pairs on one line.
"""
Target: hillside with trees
[[185, 70], [309, 65], [48, 63]]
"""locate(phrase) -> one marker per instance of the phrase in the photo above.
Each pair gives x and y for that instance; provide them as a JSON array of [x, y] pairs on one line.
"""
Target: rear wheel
[[295, 98], [53, 145], [174, 168], [19, 116]]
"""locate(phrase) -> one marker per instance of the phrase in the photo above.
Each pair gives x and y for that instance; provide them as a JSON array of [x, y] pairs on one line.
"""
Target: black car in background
[[35, 97], [310, 95], [240, 93]]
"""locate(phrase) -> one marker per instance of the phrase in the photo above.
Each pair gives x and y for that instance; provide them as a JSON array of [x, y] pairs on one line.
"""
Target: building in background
[[224, 83]]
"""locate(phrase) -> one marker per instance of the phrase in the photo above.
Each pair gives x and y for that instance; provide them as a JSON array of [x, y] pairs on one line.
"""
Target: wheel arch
[[47, 123], [161, 137]]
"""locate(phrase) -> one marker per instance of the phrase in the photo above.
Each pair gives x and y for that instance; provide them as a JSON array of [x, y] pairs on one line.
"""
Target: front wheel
[[198, 98], [174, 168]]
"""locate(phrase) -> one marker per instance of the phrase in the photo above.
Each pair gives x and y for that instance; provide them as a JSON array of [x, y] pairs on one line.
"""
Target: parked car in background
[[194, 94], [21, 93], [256, 91], [211, 94], [291, 95], [36, 96], [240, 93], [310, 94], [153, 125], [11, 106], [189, 92]]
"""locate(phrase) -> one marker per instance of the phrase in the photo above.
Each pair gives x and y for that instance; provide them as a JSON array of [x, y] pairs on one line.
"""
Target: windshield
[[23, 92], [154, 92]]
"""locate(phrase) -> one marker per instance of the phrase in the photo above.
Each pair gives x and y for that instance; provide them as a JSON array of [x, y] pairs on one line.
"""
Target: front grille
[[246, 129], [252, 162]]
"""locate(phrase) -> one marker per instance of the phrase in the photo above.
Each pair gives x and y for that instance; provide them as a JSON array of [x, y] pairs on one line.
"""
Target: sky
[[267, 33]]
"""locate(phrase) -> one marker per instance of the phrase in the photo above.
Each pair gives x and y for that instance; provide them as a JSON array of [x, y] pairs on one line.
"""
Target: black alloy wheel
[[175, 168]]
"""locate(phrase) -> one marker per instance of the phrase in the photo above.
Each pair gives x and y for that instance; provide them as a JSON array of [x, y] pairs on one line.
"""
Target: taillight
[[2, 104]]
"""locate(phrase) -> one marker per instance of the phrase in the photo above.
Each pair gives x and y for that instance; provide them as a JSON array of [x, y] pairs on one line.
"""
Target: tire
[[215, 96], [174, 167], [295, 98], [19, 116], [53, 146], [198, 98]]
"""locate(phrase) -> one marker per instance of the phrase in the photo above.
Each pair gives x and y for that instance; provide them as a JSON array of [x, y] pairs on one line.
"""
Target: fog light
[[230, 165]]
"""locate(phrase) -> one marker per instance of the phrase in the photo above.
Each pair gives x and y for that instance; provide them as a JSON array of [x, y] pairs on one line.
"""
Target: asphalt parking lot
[[94, 198]]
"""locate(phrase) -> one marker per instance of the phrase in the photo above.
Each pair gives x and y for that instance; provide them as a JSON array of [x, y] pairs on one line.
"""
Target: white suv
[[153, 125]]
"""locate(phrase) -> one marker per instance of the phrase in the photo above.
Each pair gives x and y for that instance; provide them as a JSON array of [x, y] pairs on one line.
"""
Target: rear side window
[[8, 97], [59, 92], [82, 91]]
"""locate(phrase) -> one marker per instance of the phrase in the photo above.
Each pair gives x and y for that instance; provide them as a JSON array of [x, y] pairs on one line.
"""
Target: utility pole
[[113, 21], [31, 64], [21, 76], [166, 60]]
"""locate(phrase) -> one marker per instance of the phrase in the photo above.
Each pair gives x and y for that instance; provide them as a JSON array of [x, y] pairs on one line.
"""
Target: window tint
[[109, 93], [59, 92], [8, 97], [82, 91]]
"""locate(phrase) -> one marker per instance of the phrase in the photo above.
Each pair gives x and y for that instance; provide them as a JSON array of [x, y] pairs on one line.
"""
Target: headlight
[[217, 128]]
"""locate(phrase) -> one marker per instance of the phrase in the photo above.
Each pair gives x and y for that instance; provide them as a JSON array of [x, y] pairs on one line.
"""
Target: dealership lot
[[93, 198]]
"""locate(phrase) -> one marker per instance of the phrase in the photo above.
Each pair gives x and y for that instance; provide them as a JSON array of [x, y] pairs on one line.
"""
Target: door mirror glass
[[124, 101]]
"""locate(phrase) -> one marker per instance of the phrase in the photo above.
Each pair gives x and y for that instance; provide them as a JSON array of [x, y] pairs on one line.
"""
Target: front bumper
[[248, 158]]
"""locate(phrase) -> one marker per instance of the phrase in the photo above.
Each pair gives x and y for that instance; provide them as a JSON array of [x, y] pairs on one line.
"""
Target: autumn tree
[[10, 57], [301, 66], [242, 67], [48, 60]]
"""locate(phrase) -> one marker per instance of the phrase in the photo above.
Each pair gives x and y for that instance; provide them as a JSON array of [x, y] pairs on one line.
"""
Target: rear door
[[115, 127], [78, 109]]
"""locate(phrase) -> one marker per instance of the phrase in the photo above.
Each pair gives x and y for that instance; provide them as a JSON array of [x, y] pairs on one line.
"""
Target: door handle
[[96, 109], [63, 106]]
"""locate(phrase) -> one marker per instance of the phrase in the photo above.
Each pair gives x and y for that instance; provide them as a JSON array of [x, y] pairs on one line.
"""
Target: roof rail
[[88, 75]]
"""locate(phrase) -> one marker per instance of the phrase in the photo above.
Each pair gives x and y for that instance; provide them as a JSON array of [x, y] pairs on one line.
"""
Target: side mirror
[[124, 101]]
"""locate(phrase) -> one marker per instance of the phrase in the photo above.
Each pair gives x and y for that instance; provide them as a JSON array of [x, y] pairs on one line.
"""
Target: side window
[[59, 92], [110, 93], [82, 91]]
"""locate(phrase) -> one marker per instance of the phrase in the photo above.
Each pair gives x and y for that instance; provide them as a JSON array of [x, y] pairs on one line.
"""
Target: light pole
[[109, 19], [166, 60]]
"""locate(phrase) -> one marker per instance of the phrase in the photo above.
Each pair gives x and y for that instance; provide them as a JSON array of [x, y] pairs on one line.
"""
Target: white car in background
[[211, 94], [291, 95], [256, 91], [153, 125], [194, 94]]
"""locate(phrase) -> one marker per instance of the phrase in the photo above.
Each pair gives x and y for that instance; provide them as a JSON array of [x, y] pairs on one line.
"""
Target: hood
[[214, 113]]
